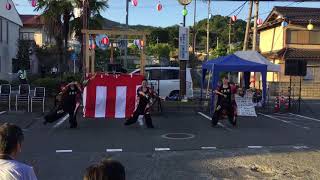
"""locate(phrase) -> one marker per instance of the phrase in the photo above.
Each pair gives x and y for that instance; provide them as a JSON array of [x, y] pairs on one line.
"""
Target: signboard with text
[[183, 43], [245, 106]]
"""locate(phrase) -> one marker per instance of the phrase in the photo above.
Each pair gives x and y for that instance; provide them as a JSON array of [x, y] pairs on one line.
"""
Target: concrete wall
[[8, 47]]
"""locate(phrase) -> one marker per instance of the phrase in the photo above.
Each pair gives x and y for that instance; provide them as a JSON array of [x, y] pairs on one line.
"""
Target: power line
[[241, 6]]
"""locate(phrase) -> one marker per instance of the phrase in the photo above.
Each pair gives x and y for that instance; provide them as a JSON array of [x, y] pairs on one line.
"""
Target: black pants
[[218, 112], [73, 117], [134, 118]]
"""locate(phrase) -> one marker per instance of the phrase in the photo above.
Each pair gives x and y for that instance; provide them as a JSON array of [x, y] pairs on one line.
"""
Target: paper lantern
[[8, 6], [233, 18], [34, 3], [310, 26], [259, 21], [105, 40], [284, 24], [92, 44], [159, 6], [184, 12], [141, 43], [134, 2]]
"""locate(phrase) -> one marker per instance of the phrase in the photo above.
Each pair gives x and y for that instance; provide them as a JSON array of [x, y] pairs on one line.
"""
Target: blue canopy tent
[[232, 63]]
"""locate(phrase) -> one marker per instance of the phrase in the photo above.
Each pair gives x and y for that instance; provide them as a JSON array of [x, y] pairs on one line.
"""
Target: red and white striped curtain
[[111, 96]]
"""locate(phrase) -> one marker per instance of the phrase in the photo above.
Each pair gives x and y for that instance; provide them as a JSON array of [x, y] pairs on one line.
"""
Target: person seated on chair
[[224, 103]]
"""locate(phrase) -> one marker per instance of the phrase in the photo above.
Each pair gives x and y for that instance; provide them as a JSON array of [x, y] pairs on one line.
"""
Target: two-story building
[[284, 36], [34, 29], [10, 24]]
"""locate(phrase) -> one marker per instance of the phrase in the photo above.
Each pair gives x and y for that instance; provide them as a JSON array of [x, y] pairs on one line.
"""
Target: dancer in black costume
[[224, 93], [145, 95]]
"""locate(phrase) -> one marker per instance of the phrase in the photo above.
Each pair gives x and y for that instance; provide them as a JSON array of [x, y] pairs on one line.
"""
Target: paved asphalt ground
[[59, 153]]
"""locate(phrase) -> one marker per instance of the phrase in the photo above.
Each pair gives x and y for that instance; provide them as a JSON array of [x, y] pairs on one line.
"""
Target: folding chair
[[38, 96], [5, 94], [23, 96]]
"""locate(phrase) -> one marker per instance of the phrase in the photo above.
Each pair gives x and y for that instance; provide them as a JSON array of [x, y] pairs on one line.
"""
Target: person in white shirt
[[11, 137]]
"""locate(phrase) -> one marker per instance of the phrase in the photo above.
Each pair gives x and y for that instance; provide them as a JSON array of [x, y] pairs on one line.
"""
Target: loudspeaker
[[295, 67]]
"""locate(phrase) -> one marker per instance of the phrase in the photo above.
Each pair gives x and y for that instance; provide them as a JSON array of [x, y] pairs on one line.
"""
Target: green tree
[[160, 50], [23, 60]]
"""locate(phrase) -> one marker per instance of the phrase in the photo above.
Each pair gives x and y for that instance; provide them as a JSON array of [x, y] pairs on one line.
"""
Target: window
[[27, 36], [168, 74], [7, 32], [155, 74], [303, 37], [0, 29]]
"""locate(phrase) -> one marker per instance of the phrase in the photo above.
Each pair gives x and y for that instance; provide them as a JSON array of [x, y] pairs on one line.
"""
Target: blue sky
[[146, 14]]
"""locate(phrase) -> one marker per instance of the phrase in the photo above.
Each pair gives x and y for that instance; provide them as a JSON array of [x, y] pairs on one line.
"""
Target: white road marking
[[209, 148], [284, 121], [255, 147], [162, 149], [114, 150], [219, 124], [305, 117], [2, 112], [64, 151], [300, 147], [64, 118]]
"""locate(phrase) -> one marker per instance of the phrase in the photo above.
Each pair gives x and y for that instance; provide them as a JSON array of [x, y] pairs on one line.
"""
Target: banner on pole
[[183, 43]]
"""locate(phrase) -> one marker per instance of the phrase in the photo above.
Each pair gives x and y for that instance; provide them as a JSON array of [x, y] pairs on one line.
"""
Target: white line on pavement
[[114, 150], [2, 112], [284, 121], [219, 124], [209, 148], [300, 147], [64, 118], [64, 151], [162, 149], [306, 117], [255, 147]]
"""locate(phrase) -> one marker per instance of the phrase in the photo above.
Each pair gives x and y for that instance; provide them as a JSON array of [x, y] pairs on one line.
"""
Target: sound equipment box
[[295, 67]]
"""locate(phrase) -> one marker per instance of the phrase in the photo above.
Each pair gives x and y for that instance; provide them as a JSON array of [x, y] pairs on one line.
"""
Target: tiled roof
[[32, 20], [299, 15], [293, 53]]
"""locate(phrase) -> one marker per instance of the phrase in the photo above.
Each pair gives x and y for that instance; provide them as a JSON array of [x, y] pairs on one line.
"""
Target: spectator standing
[[11, 138]]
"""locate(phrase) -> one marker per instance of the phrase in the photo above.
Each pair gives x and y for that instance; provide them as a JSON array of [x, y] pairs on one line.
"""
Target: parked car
[[168, 78]]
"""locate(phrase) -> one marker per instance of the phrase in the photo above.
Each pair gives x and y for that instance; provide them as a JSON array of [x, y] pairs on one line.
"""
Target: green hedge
[[51, 84], [3, 82]]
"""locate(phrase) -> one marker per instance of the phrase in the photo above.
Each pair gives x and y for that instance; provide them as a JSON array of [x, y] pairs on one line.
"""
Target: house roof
[[299, 15], [293, 53], [293, 15], [32, 20], [12, 14]]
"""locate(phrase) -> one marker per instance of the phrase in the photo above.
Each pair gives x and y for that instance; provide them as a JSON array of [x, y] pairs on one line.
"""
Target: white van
[[168, 78]]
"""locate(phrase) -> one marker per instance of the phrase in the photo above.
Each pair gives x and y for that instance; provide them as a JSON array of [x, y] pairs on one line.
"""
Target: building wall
[[271, 39], [8, 47], [37, 34]]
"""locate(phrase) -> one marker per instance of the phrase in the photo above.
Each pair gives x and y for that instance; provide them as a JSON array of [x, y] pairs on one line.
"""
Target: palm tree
[[57, 15]]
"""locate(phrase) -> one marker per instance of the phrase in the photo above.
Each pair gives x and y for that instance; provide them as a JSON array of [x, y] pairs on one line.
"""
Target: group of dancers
[[69, 99]]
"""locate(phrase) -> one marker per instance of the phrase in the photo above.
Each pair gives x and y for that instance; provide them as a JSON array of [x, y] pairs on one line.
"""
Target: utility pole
[[194, 28], [246, 37], [208, 27], [256, 14], [125, 62], [84, 40], [230, 35], [183, 67]]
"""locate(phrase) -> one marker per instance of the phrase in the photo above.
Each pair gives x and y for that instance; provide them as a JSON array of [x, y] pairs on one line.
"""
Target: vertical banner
[[184, 43]]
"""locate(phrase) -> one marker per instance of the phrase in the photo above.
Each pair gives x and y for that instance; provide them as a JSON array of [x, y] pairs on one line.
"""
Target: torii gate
[[90, 62]]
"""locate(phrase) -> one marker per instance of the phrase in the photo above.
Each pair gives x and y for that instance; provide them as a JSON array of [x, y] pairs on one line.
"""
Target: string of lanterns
[[104, 41], [158, 7]]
